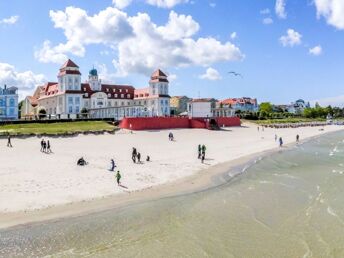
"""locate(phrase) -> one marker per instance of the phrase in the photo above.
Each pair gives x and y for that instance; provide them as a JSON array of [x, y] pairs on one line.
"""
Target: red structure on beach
[[157, 123]]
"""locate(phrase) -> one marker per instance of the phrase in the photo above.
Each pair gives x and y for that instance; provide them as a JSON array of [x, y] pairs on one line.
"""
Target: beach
[[33, 182]]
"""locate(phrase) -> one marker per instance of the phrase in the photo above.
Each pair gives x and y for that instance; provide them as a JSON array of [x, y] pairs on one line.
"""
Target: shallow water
[[290, 204]]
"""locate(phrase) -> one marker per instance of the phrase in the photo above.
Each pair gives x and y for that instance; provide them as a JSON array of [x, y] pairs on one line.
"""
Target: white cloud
[[24, 81], [172, 77], [166, 3], [140, 45], [316, 51], [234, 35], [292, 38], [332, 10], [265, 11], [121, 4], [268, 21], [178, 26], [11, 20], [211, 74], [280, 9]]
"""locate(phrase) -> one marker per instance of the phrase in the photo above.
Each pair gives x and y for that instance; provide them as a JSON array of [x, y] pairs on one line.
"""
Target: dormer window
[[114, 90], [126, 91], [107, 90], [120, 90], [84, 88]]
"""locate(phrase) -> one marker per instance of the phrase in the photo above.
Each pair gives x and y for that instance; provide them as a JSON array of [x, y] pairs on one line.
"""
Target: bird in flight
[[235, 74]]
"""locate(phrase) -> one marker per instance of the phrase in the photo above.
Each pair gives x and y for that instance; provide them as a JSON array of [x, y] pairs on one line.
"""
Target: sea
[[286, 204]]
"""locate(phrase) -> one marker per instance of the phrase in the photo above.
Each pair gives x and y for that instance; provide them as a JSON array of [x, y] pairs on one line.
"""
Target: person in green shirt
[[118, 178]]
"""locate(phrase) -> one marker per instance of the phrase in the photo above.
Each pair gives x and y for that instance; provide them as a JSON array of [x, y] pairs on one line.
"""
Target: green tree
[[265, 107]]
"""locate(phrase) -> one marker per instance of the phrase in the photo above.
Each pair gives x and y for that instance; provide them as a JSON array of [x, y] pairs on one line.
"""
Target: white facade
[[199, 109]]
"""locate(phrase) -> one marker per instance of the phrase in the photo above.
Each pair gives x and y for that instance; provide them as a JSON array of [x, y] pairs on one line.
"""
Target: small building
[[243, 104], [8, 103], [200, 108], [179, 104], [29, 109], [298, 106]]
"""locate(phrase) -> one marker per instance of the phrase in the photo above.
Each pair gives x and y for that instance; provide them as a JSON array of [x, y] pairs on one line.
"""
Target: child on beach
[[118, 178], [48, 147]]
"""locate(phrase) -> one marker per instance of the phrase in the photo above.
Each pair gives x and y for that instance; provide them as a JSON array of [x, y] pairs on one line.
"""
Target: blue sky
[[274, 69]]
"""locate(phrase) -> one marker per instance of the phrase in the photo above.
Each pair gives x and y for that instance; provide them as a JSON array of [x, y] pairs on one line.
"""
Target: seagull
[[235, 74]]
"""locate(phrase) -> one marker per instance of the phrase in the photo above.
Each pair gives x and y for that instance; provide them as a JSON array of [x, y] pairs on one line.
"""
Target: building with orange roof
[[67, 97]]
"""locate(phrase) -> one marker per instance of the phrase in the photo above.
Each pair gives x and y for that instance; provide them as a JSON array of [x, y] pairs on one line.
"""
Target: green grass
[[55, 128], [288, 120]]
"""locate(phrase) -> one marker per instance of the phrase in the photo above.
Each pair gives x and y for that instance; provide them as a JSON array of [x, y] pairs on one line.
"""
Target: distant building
[[241, 104], [200, 108], [29, 108], [8, 103], [69, 96], [179, 104], [298, 106]]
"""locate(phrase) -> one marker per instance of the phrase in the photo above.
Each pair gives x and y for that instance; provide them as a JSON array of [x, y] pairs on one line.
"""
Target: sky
[[284, 49]]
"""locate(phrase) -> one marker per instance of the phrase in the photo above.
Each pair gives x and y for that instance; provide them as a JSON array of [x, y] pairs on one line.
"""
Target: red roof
[[244, 100], [158, 76], [69, 63]]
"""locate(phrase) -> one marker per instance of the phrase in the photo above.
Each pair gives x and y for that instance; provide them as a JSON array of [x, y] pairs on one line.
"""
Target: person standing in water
[[280, 142], [9, 144], [118, 178]]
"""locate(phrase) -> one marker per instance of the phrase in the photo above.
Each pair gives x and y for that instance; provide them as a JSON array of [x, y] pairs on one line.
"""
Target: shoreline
[[202, 180]]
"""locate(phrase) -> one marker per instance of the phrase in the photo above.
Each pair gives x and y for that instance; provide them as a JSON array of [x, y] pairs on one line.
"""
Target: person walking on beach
[[199, 151], [9, 144], [203, 157], [276, 137], [297, 138], [203, 150], [48, 147], [280, 142], [113, 165], [42, 145], [139, 157], [118, 177], [133, 155], [148, 158]]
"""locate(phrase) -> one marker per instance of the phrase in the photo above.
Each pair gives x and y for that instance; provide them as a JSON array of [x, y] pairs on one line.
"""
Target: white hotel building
[[67, 97]]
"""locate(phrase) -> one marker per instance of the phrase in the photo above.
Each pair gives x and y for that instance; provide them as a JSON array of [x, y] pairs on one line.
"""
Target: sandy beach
[[33, 182]]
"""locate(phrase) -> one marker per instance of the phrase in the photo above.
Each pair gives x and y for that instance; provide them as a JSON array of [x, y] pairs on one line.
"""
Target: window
[[116, 95], [128, 96], [70, 80], [12, 103], [109, 103], [109, 95], [76, 80], [77, 109], [122, 96], [122, 103], [126, 91], [70, 100], [116, 103], [70, 109], [114, 90], [120, 90], [86, 95], [166, 102], [128, 103], [12, 112], [161, 102], [77, 100]]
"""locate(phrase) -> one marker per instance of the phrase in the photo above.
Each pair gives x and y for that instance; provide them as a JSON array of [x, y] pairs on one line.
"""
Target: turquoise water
[[289, 204]]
